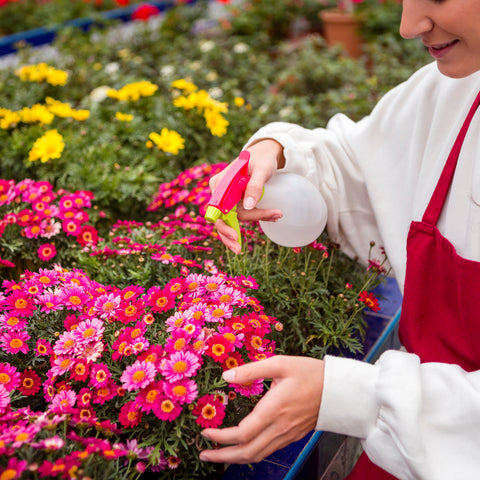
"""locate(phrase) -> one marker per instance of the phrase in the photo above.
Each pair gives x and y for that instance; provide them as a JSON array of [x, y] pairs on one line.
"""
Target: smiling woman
[[401, 176]]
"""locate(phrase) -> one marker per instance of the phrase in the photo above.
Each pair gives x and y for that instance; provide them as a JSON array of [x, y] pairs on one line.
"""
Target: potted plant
[[341, 26]]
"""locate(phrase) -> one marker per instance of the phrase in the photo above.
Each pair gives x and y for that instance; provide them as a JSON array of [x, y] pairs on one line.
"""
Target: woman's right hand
[[265, 157]]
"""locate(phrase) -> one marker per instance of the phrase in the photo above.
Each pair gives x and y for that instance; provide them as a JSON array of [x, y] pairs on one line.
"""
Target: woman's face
[[450, 29]]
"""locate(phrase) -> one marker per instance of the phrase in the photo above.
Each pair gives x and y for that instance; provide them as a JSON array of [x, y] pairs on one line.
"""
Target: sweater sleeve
[[416, 421]]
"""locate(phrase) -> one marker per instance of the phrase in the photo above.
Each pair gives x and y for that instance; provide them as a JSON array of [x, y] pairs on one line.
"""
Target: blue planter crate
[[42, 36]]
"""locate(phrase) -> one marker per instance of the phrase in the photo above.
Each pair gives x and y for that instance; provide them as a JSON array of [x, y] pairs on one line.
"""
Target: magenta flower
[[249, 389], [63, 402], [138, 375], [46, 251], [180, 365], [147, 397], [183, 391], [14, 342], [90, 330], [9, 377], [210, 411], [19, 304], [107, 305], [4, 399], [166, 409]]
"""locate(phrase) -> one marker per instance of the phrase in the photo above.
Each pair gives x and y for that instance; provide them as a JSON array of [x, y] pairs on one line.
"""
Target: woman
[[407, 177]]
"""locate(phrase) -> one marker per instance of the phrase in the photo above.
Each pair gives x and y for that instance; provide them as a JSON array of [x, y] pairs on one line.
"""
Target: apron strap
[[439, 195]]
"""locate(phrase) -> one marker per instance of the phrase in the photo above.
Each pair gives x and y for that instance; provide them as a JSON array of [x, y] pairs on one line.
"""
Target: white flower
[[99, 94], [167, 70], [215, 92], [207, 45], [241, 48]]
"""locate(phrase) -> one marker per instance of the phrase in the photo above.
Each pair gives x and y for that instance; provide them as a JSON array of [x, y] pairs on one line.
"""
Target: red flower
[[210, 411], [88, 236], [369, 300], [144, 12], [29, 382], [46, 251], [219, 348]]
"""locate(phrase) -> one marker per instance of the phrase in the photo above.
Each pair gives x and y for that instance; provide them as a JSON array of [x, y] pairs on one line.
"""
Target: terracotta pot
[[342, 28]]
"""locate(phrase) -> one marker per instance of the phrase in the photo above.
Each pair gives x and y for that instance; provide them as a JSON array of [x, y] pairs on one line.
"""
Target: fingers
[[287, 412]]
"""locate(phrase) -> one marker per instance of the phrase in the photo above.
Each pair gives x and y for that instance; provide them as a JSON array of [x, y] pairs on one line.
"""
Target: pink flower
[[99, 375], [166, 409], [138, 375], [90, 330], [74, 298], [210, 411], [46, 251], [249, 389], [48, 302], [147, 397], [183, 391], [14, 342], [65, 344], [19, 304], [130, 415], [106, 305], [63, 402], [88, 235], [15, 468], [4, 399], [180, 365], [9, 377]]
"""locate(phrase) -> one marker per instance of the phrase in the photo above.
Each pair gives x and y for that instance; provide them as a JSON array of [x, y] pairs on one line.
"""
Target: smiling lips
[[439, 50]]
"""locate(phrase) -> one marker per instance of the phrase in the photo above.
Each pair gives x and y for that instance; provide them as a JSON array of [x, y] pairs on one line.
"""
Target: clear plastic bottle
[[303, 207]]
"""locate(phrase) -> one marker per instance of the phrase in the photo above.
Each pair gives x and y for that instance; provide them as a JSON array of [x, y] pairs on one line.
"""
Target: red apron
[[440, 310]]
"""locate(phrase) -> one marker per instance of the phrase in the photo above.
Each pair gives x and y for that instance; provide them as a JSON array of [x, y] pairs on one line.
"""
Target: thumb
[[259, 370]]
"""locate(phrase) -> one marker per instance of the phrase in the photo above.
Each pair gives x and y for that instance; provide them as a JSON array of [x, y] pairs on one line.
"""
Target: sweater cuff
[[349, 405]]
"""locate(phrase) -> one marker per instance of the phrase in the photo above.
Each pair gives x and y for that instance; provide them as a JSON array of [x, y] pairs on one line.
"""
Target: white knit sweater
[[417, 421]]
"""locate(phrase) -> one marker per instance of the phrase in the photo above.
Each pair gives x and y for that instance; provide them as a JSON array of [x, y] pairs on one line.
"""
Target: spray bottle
[[303, 207]]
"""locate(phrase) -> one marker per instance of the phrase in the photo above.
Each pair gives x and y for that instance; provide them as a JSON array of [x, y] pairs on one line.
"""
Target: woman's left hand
[[286, 413]]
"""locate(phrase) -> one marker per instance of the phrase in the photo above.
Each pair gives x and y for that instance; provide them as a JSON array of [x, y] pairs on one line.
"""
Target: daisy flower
[[14, 342], [4, 399], [183, 391], [210, 411], [14, 468], [147, 397], [9, 377], [48, 302], [24, 434], [99, 375], [219, 347], [159, 300], [130, 415], [180, 365], [90, 330], [20, 304], [65, 344], [63, 402], [249, 389], [30, 382], [166, 409], [74, 298], [46, 251], [43, 348], [138, 375], [106, 305]]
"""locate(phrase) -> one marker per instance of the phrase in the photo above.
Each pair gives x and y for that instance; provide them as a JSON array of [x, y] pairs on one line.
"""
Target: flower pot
[[342, 28]]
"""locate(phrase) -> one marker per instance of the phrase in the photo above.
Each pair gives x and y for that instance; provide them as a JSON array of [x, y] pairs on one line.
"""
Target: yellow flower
[[9, 118], [42, 72], [216, 123], [168, 141], [133, 91], [123, 117], [64, 110], [36, 114], [239, 101], [48, 146], [184, 85]]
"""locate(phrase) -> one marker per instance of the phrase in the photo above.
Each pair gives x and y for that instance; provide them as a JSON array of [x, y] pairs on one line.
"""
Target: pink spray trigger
[[229, 192]]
